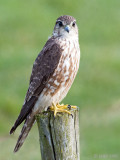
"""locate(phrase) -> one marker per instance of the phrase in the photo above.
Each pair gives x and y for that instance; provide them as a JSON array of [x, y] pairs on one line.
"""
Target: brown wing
[[44, 66]]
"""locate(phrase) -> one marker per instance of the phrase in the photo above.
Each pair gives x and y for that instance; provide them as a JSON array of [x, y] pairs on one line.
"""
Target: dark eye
[[73, 24], [60, 23]]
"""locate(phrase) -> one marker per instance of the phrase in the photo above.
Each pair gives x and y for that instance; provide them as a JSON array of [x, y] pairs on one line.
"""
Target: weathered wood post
[[59, 136]]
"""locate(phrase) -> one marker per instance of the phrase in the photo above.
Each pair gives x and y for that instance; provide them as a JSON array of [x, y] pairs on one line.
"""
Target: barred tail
[[24, 132]]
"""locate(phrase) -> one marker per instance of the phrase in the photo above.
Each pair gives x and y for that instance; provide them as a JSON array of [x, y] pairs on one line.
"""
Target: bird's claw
[[61, 108]]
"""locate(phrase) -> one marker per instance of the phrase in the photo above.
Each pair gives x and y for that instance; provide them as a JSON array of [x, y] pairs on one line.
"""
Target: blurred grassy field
[[24, 29]]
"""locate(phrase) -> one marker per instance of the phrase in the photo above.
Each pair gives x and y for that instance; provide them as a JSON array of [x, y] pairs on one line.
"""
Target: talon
[[72, 115], [69, 107], [48, 108]]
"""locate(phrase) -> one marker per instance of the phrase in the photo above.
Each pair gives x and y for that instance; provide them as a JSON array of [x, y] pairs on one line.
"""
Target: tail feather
[[25, 111], [24, 132]]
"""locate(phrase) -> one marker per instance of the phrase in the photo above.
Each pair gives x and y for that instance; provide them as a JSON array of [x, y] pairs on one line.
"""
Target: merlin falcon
[[53, 73]]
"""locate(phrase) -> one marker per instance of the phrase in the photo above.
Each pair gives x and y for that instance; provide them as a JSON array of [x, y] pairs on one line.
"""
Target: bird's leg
[[61, 108]]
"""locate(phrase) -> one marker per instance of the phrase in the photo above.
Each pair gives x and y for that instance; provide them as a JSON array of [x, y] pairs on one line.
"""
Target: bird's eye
[[60, 23], [73, 24]]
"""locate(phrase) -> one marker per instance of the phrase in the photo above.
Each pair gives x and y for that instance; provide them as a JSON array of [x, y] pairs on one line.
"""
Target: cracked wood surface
[[59, 136]]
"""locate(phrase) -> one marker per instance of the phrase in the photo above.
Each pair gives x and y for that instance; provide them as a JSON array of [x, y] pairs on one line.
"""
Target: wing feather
[[44, 66]]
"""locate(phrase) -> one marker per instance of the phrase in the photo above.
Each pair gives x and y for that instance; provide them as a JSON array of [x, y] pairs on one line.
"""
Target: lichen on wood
[[59, 136]]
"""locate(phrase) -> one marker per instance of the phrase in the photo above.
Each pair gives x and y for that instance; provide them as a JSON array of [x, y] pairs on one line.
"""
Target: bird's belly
[[53, 94]]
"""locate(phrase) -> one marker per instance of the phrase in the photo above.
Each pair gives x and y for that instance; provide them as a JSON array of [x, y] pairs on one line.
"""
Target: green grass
[[24, 29]]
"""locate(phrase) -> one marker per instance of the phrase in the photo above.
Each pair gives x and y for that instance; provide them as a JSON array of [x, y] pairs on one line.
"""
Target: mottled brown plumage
[[52, 75]]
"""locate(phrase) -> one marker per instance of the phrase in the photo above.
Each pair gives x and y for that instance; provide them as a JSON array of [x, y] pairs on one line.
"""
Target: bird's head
[[66, 27]]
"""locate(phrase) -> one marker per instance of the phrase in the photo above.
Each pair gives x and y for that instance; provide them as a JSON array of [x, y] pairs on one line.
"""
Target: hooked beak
[[67, 28]]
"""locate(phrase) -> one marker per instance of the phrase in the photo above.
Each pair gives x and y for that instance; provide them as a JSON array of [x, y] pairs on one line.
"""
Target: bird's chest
[[64, 74]]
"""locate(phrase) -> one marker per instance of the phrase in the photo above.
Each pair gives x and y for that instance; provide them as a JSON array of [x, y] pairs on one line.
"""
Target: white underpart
[[46, 100], [56, 82]]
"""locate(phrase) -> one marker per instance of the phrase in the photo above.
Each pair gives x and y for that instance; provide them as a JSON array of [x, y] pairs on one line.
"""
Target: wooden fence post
[[59, 136]]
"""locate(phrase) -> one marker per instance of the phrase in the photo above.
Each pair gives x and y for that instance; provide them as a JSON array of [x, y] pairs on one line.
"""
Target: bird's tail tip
[[16, 148], [12, 130], [24, 132]]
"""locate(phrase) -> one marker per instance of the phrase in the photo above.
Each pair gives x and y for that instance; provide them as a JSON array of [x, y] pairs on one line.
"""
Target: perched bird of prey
[[52, 75]]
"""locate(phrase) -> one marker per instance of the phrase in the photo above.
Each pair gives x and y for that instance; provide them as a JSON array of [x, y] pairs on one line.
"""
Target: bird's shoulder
[[48, 56], [44, 66]]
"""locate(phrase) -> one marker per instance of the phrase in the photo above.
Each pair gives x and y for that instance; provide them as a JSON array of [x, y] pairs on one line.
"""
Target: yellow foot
[[61, 108]]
